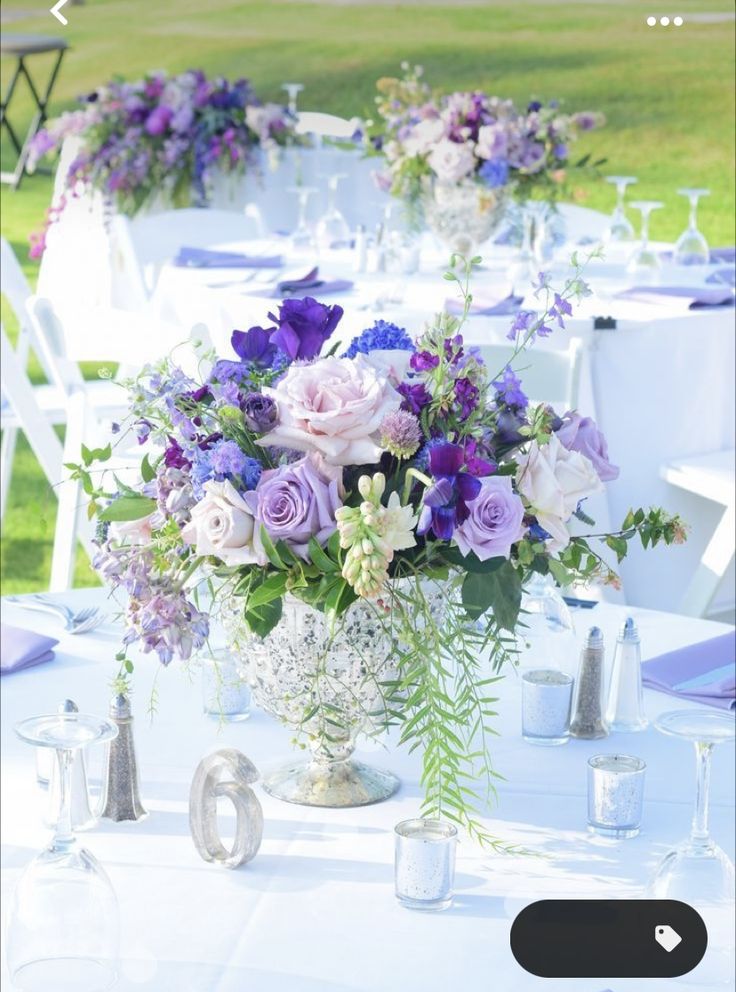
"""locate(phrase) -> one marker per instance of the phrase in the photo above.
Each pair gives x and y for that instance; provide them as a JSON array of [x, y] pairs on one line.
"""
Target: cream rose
[[132, 531], [333, 407], [451, 161], [554, 480], [222, 525], [424, 136], [391, 362]]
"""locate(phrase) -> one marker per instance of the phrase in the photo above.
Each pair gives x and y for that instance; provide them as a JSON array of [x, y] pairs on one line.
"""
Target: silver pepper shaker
[[121, 799], [625, 710], [82, 816], [588, 720]]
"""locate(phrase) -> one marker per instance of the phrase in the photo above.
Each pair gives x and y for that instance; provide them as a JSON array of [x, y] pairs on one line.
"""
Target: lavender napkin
[[704, 672], [297, 290], [207, 258], [21, 648], [718, 255], [723, 277], [699, 296], [487, 306]]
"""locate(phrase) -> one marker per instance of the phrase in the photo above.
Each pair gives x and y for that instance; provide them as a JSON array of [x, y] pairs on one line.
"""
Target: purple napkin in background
[[207, 258], [723, 277], [699, 296], [317, 288], [723, 255], [21, 648], [486, 306], [704, 672]]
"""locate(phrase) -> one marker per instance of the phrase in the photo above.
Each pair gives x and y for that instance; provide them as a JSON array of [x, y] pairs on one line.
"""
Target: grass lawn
[[667, 94]]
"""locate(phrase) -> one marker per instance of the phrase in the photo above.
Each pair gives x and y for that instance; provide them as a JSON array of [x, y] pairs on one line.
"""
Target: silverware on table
[[74, 623]]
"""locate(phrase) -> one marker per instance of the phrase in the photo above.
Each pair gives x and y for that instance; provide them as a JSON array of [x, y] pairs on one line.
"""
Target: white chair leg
[[7, 453], [713, 566], [70, 500]]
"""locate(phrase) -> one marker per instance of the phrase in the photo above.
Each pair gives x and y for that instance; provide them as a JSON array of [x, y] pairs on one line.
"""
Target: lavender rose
[[303, 326], [495, 521], [581, 434], [296, 502]]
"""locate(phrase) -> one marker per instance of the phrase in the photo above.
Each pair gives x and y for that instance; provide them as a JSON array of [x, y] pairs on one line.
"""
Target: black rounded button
[[608, 938]]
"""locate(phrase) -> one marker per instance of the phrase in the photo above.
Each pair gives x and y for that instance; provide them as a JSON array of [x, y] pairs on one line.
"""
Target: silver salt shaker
[[625, 709], [121, 799], [587, 721]]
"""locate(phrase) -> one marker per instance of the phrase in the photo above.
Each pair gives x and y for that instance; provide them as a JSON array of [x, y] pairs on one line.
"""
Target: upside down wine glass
[[63, 930], [620, 228], [303, 237], [644, 263], [292, 90], [332, 228], [691, 248]]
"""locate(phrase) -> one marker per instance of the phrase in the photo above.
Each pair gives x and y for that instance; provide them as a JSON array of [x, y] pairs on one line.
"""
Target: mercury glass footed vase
[[464, 215], [330, 685]]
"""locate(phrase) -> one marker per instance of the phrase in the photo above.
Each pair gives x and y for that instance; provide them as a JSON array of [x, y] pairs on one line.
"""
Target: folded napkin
[[298, 288], [207, 258], [723, 277], [704, 672], [718, 255], [699, 296], [486, 306], [21, 648]]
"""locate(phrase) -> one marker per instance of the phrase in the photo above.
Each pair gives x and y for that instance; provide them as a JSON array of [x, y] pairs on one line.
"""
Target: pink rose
[[451, 161], [581, 434], [333, 407], [132, 531], [223, 524], [495, 521], [391, 362], [554, 480]]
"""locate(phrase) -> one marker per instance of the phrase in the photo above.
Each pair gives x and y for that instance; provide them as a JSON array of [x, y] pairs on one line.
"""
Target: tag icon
[[667, 937]]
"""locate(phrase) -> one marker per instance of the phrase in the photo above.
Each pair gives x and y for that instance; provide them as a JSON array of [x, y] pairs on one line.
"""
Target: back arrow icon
[[55, 11]]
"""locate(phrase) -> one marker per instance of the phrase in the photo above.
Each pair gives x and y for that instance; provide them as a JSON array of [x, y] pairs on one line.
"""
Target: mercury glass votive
[[546, 699], [425, 864], [615, 794], [225, 693]]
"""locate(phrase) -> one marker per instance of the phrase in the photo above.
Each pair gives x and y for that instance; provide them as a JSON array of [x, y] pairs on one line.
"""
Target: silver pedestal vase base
[[335, 784]]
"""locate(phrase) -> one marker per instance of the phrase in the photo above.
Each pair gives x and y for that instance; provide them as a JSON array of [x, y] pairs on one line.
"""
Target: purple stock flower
[[423, 361], [158, 120], [466, 394], [174, 456], [475, 463], [446, 501], [415, 397], [303, 327], [260, 413], [254, 346]]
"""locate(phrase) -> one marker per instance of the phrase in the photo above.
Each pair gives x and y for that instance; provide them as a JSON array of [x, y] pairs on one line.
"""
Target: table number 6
[[227, 773]]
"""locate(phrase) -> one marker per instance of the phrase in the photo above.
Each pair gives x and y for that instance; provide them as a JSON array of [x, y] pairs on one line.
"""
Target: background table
[[315, 911]]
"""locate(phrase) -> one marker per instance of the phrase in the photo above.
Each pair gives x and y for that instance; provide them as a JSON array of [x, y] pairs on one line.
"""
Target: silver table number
[[227, 773]]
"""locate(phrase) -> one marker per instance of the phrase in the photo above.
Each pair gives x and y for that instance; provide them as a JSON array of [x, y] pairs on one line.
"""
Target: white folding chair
[[546, 376], [582, 223], [326, 125], [68, 335], [712, 477], [141, 245]]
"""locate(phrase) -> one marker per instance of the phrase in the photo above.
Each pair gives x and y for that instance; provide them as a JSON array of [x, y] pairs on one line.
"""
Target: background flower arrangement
[[366, 473], [165, 137], [471, 136]]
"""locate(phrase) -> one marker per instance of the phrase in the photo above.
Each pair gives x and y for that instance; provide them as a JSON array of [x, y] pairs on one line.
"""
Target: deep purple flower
[[260, 412], [534, 106], [303, 327], [475, 463], [466, 394], [508, 423], [423, 361], [415, 397], [254, 346], [581, 434], [158, 120], [446, 501], [174, 456]]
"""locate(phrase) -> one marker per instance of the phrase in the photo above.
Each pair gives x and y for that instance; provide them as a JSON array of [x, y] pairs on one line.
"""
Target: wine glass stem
[[699, 834], [621, 191], [693, 213], [63, 834]]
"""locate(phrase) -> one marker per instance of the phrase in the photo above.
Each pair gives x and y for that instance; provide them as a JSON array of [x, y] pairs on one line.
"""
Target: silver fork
[[74, 623]]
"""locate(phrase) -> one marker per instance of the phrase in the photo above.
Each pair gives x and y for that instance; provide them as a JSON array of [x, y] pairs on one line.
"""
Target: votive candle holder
[[225, 693], [615, 794], [425, 864], [546, 700]]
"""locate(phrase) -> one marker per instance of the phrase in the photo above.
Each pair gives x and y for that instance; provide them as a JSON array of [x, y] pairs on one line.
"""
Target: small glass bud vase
[[225, 693], [546, 697], [425, 864], [615, 795]]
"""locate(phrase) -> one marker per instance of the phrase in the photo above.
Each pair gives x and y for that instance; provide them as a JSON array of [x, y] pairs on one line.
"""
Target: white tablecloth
[[661, 384], [315, 911]]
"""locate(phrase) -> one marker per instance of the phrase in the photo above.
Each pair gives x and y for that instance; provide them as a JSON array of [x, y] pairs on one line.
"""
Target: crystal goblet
[[63, 928], [292, 90], [332, 229], [691, 248], [644, 263], [620, 228], [302, 239]]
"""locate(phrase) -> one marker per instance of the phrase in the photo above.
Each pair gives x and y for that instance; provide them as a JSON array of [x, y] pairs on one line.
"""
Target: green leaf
[[148, 472], [340, 597], [561, 575], [128, 508], [262, 621], [271, 588], [271, 552], [471, 562], [90, 455], [320, 559], [499, 591]]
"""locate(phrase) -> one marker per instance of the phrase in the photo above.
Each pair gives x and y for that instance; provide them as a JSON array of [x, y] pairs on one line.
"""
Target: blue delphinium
[[494, 172], [224, 460], [509, 391], [383, 336]]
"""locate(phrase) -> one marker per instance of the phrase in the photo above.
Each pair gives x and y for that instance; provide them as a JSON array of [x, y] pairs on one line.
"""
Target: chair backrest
[[326, 125], [68, 335], [546, 376], [141, 245], [583, 223]]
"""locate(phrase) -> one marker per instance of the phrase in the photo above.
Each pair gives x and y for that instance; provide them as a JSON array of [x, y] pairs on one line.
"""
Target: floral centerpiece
[[364, 517], [460, 156], [164, 138]]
